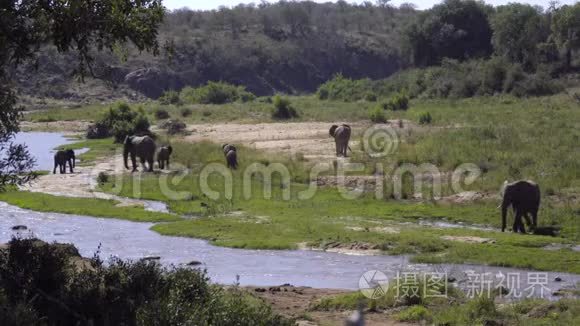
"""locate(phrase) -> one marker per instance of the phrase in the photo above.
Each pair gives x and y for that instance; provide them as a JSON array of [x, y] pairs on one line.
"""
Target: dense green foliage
[[283, 109], [80, 26], [120, 121], [42, 284], [215, 93], [455, 29], [452, 79]]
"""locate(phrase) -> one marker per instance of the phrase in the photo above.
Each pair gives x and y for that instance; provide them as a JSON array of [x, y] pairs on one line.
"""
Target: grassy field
[[82, 206], [458, 310], [506, 138]]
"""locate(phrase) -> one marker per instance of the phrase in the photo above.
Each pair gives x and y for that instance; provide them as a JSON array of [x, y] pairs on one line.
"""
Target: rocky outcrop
[[152, 82]]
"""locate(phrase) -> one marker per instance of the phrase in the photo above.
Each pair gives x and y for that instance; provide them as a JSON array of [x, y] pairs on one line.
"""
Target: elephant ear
[[127, 140], [169, 149], [346, 126], [332, 130]]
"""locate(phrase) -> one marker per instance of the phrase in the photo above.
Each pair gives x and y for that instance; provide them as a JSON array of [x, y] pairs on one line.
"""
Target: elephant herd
[[522, 196]]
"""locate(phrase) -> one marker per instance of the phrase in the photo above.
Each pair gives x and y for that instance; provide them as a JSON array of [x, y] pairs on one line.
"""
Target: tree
[[457, 29], [566, 30], [82, 26], [517, 29]]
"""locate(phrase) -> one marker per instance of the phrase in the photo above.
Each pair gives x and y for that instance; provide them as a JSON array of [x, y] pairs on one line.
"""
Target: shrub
[[161, 114], [413, 314], [216, 93], [370, 97], [174, 126], [283, 109], [186, 112], [102, 178], [399, 102], [344, 89], [377, 115], [42, 284], [120, 121], [425, 118], [98, 130], [170, 97]]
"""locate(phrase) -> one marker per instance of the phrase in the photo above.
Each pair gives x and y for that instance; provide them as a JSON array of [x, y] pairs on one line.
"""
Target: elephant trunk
[[126, 157], [504, 208]]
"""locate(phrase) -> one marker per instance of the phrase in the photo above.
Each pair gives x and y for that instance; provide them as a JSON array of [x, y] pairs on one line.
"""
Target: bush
[[42, 284], [170, 97], [161, 114], [377, 115], [174, 126], [120, 121], [102, 178], [283, 109], [98, 130], [216, 93], [425, 118], [399, 102], [344, 89], [186, 112], [370, 97], [413, 314]]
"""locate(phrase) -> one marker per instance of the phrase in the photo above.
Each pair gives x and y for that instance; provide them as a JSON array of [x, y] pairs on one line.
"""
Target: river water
[[132, 240]]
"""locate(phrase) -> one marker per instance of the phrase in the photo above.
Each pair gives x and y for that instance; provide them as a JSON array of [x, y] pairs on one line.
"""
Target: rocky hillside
[[289, 47]]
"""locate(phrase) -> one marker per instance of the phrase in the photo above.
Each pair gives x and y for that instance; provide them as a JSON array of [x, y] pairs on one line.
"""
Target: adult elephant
[[163, 156], [61, 158], [341, 136], [524, 197], [142, 147]]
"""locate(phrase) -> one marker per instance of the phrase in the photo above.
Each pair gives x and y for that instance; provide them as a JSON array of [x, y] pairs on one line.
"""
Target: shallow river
[[131, 240]]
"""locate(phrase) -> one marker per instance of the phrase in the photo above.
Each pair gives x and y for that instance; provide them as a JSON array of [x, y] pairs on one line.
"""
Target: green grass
[[506, 138], [97, 148], [458, 310], [82, 206]]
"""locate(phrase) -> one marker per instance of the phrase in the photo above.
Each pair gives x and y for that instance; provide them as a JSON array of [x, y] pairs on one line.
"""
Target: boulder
[[152, 82]]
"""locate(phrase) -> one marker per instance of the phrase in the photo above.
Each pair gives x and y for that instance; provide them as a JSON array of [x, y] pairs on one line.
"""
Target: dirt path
[[295, 302], [310, 139], [83, 182]]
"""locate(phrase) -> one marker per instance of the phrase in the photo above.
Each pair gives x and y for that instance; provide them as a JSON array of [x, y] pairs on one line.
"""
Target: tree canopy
[[82, 26]]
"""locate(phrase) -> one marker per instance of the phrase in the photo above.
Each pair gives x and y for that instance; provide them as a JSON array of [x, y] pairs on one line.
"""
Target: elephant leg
[[337, 149], [534, 219], [150, 162], [70, 165], [518, 222], [527, 218], [134, 162], [55, 165], [160, 163], [168, 163]]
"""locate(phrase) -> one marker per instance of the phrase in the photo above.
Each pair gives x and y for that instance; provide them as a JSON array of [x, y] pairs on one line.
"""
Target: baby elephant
[[61, 158], [231, 155], [163, 156]]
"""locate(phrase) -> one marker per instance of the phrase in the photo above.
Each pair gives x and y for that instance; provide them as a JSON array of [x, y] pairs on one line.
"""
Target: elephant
[[139, 146], [232, 159], [228, 147], [61, 158], [341, 136], [524, 197], [163, 156]]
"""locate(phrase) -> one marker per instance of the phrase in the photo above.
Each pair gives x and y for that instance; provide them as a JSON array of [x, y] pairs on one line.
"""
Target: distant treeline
[[294, 47]]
